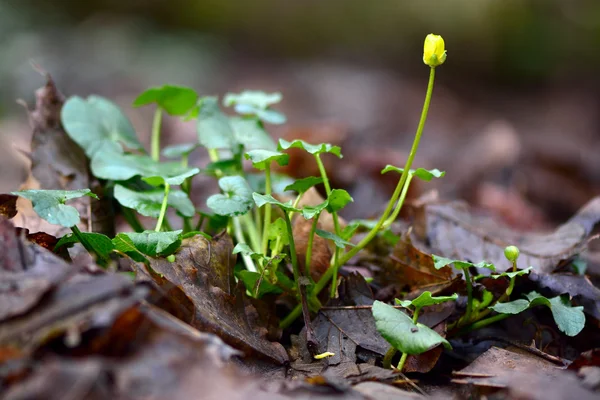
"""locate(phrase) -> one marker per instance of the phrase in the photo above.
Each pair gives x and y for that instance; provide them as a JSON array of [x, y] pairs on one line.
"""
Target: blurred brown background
[[514, 117]]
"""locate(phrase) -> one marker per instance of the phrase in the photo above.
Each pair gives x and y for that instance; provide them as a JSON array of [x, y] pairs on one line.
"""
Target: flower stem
[[293, 254], [387, 358], [156, 134], [373, 232], [267, 223], [402, 361], [394, 215], [163, 208]]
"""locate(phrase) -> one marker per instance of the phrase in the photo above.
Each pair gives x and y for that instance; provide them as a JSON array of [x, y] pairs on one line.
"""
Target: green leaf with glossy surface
[[398, 329], [96, 120], [50, 204], [254, 98], [512, 274], [101, 244], [426, 299], [125, 245], [263, 158], [310, 148], [154, 243], [300, 186], [249, 133], [570, 320], [175, 100], [278, 230], [236, 198], [262, 199], [214, 129], [422, 173], [338, 241], [246, 250], [338, 199], [441, 262], [148, 203]]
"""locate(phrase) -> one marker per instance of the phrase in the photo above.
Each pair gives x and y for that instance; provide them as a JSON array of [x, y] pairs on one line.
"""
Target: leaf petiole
[[163, 208], [155, 144]]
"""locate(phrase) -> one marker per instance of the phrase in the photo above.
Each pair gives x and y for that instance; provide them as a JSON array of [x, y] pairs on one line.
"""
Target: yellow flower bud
[[434, 51]]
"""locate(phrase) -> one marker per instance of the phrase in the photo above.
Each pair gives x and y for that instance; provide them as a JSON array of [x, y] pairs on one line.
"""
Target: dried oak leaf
[[452, 231], [203, 271]]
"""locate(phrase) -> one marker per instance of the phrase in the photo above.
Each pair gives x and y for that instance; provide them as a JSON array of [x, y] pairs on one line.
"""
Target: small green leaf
[[512, 274], [175, 100], [300, 186], [125, 245], [251, 280], [214, 129], [310, 148], [247, 251], [257, 99], [101, 244], [261, 159], [338, 199], [111, 163], [309, 212], [96, 120], [179, 150], [398, 329], [262, 199], [250, 133], [422, 173], [148, 203], [278, 230], [50, 204], [441, 262], [426, 299], [570, 320], [236, 199], [339, 242], [155, 243]]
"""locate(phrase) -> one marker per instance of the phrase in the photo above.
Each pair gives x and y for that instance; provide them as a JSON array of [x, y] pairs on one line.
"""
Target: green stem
[[336, 225], [347, 256], [416, 315], [483, 323], [469, 295], [311, 237], [387, 358], [402, 361], [239, 237], [400, 203], [163, 208], [155, 144], [213, 154], [132, 219], [293, 254], [267, 224], [252, 232], [403, 178], [511, 285]]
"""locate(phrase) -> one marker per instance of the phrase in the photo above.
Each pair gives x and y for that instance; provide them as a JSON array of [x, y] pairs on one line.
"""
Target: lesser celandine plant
[[248, 204]]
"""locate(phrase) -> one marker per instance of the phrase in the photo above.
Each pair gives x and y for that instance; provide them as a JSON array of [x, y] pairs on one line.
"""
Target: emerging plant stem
[[394, 215], [336, 224], [311, 237], [239, 236], [344, 258], [267, 224], [163, 208], [155, 145], [402, 361]]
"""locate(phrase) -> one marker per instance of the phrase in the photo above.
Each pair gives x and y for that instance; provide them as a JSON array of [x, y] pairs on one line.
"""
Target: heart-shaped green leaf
[[179, 150], [338, 199], [510, 274], [278, 231], [148, 203], [422, 173], [110, 162], [214, 129], [426, 299], [398, 329], [175, 100], [338, 241], [96, 120], [300, 186], [154, 243], [50, 204], [254, 98], [310, 148], [262, 199], [246, 250], [101, 244], [570, 320], [261, 159], [251, 281], [249, 133], [125, 245], [236, 198], [441, 262]]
